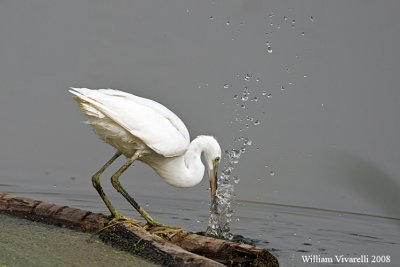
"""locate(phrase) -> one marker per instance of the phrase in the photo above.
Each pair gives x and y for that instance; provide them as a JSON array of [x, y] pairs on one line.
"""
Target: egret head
[[212, 156]]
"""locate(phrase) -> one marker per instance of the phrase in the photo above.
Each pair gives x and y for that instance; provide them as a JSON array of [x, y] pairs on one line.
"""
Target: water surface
[[25, 243], [288, 232]]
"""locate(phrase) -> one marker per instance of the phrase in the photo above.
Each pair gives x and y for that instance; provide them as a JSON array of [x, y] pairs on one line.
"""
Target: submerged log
[[179, 249]]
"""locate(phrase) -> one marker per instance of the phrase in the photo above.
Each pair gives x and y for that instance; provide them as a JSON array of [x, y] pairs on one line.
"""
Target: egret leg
[[99, 189], [117, 185]]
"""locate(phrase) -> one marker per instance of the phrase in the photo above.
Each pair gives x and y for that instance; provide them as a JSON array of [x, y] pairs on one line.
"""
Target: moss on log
[[182, 249]]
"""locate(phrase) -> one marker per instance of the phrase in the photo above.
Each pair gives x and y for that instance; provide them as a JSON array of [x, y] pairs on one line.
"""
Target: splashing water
[[220, 209], [221, 212]]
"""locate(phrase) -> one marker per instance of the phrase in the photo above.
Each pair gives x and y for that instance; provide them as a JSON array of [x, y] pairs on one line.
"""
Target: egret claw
[[157, 224], [168, 233]]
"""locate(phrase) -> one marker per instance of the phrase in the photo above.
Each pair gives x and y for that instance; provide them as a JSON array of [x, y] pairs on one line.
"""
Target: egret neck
[[187, 170]]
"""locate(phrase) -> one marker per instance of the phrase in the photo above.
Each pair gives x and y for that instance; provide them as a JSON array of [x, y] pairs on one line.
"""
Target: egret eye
[[217, 159]]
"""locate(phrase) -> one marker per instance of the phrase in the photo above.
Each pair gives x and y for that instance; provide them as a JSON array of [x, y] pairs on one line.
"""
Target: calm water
[[25, 243], [288, 232]]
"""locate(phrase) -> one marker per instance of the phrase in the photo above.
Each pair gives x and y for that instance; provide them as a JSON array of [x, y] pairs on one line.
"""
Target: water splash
[[221, 211], [248, 96]]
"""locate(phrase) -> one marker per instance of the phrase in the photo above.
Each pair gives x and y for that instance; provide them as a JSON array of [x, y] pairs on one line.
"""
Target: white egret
[[142, 129]]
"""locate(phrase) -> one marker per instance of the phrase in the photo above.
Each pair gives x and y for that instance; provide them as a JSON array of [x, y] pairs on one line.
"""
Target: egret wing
[[161, 109], [158, 127]]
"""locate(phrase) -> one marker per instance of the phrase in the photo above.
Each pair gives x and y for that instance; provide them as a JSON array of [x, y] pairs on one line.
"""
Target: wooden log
[[180, 249]]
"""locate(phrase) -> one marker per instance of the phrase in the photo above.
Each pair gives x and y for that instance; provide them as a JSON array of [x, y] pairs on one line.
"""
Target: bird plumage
[[150, 122]]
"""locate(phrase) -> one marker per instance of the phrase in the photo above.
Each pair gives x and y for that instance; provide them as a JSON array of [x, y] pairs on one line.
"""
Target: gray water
[[25, 243], [288, 232], [312, 84]]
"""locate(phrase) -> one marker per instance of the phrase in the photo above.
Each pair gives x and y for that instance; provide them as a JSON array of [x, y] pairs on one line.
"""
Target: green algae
[[26, 243]]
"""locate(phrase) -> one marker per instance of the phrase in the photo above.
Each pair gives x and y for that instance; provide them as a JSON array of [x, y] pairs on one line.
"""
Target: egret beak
[[213, 174]]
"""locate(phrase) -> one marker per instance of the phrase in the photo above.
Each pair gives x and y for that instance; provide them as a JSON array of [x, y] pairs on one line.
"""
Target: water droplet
[[311, 18], [266, 166], [271, 15], [228, 22], [54, 186], [293, 22], [302, 33], [226, 86], [211, 18], [243, 106], [234, 154], [247, 126], [236, 179], [227, 172], [247, 77], [264, 92], [235, 96], [237, 219], [269, 49], [305, 76], [257, 122], [272, 173], [282, 88], [254, 99], [278, 26], [269, 95], [247, 142], [285, 18], [244, 98]]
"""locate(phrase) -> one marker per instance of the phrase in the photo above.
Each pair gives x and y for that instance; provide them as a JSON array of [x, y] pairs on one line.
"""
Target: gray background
[[330, 138]]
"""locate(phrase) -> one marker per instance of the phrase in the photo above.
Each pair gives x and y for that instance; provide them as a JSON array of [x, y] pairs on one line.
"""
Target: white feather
[[152, 123]]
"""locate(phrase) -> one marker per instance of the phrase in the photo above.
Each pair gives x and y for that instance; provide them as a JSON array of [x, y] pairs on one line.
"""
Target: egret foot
[[119, 218], [152, 223], [167, 233]]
